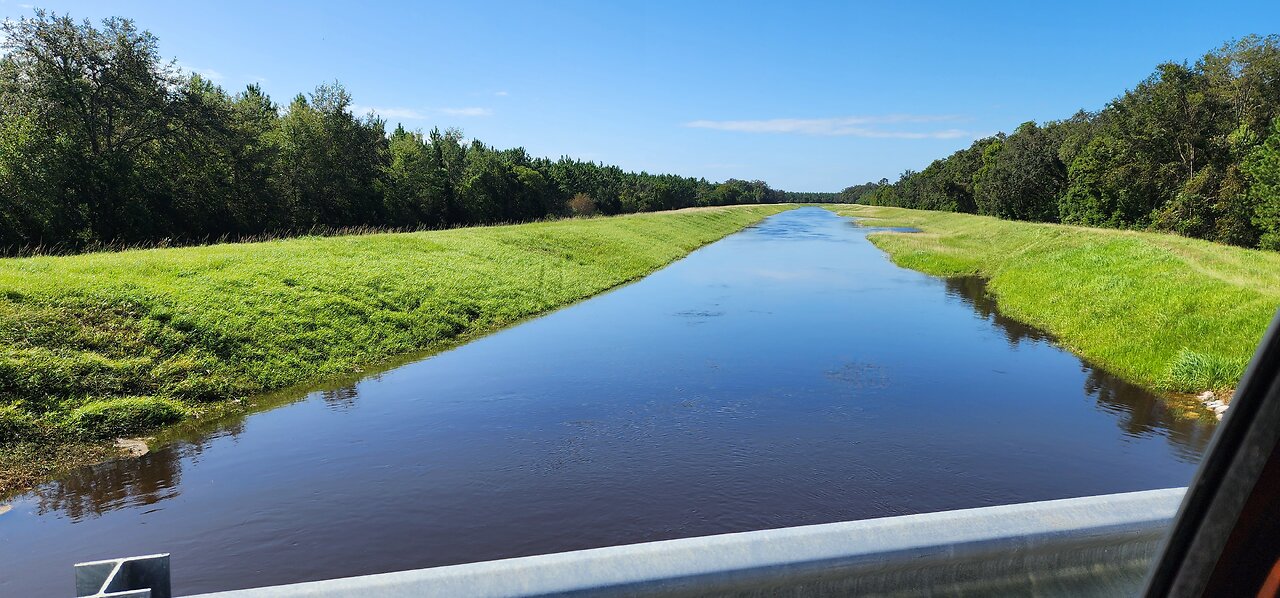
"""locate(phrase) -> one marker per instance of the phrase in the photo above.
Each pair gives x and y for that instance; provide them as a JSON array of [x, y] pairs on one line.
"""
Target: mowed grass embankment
[[1170, 313], [105, 345]]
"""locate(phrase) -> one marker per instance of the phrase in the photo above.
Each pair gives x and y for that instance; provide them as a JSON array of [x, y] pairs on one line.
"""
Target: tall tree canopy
[[1186, 150], [103, 141]]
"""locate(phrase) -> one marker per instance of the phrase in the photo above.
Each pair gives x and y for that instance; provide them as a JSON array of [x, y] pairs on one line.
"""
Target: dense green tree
[[448, 159], [98, 100], [485, 182], [333, 160], [195, 165], [1022, 177], [1263, 168], [256, 198], [410, 192], [30, 215]]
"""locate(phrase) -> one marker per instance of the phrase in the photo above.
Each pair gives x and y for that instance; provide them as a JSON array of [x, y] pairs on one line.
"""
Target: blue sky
[[807, 96]]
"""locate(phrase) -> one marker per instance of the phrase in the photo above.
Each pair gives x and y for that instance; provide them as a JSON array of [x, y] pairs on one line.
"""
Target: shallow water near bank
[[786, 375]]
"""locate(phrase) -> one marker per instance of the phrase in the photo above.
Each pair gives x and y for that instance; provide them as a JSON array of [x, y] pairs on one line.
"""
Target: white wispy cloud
[[405, 113], [209, 74], [471, 111], [503, 93], [389, 112], [851, 126]]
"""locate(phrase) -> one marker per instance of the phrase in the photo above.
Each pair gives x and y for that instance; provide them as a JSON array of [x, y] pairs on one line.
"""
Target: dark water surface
[[786, 375]]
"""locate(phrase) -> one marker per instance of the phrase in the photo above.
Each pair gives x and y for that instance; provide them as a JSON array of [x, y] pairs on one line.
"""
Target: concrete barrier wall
[[1097, 545]]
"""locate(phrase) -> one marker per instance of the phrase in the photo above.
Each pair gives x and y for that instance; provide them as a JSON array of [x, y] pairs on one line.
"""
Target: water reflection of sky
[[787, 375]]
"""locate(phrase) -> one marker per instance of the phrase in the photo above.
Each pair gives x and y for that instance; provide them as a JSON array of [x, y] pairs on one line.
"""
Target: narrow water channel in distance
[[786, 375]]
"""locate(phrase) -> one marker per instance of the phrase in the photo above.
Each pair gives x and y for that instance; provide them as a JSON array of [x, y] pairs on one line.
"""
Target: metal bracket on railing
[[133, 577]]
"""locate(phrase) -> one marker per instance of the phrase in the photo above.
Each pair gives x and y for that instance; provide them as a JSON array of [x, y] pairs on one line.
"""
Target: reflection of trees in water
[[97, 489], [1143, 414], [149, 479], [340, 399], [1140, 413], [973, 291]]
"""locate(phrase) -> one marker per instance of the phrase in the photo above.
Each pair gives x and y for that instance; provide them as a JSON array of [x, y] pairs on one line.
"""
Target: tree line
[[1193, 149], [104, 142], [812, 197]]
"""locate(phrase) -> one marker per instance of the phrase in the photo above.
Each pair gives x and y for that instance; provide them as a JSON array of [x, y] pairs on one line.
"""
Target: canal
[[786, 375]]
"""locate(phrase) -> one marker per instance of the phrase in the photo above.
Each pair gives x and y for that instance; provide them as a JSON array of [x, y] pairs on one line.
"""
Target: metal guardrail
[[1097, 545]]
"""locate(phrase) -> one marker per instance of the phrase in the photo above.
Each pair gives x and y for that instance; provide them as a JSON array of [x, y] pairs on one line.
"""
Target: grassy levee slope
[[1170, 313], [112, 344]]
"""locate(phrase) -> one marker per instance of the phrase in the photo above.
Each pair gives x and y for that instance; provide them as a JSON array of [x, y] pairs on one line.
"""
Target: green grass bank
[[99, 346], [1174, 314]]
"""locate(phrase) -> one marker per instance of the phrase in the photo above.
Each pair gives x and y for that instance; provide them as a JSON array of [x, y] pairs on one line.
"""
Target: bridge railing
[[1096, 545]]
